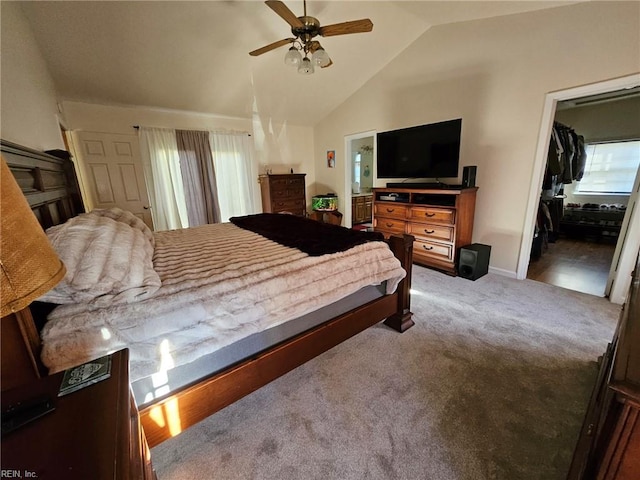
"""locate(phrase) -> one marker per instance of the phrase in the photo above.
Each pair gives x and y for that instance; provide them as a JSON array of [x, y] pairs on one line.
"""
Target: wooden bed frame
[[50, 186]]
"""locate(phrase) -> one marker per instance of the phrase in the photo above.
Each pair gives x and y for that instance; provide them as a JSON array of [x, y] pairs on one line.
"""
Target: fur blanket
[[108, 255], [220, 283]]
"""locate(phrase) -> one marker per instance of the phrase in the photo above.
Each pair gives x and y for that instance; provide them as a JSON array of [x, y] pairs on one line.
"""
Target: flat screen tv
[[425, 151]]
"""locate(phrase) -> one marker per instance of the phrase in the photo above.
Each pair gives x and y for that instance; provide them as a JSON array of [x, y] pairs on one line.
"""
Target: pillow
[[127, 217], [108, 261]]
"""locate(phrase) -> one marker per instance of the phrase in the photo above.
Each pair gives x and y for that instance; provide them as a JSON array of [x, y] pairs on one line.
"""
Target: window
[[611, 168], [356, 167]]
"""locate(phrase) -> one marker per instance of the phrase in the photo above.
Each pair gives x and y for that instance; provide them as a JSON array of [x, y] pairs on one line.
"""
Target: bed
[[278, 337]]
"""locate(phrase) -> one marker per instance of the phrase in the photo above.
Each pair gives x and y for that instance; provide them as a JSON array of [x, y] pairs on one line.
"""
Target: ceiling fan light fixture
[[306, 67], [304, 30], [293, 57], [320, 57]]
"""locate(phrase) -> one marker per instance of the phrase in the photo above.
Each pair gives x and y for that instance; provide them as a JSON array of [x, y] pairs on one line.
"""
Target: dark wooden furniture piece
[[19, 365], [441, 220], [334, 217], [50, 186], [361, 209], [177, 411], [283, 193], [93, 433], [48, 182], [608, 447]]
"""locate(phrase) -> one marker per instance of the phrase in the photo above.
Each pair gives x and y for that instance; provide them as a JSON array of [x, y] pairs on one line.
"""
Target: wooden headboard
[[50, 185], [48, 182]]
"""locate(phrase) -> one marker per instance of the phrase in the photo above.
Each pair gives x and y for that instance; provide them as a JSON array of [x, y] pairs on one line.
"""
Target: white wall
[[28, 96], [30, 116], [493, 73], [278, 146]]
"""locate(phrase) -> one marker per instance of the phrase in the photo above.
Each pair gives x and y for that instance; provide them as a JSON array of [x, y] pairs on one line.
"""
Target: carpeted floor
[[491, 383]]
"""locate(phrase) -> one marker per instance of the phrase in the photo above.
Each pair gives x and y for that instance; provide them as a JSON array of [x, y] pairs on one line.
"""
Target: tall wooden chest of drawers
[[283, 193], [441, 220]]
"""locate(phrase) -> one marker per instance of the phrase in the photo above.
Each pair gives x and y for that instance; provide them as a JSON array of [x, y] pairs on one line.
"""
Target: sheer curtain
[[235, 173], [199, 177], [164, 178]]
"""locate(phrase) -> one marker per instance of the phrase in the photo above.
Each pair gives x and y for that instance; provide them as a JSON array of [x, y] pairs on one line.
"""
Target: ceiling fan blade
[[355, 26], [287, 15], [271, 46]]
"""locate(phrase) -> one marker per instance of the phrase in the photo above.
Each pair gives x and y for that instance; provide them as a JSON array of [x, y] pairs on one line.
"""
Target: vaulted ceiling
[[194, 56]]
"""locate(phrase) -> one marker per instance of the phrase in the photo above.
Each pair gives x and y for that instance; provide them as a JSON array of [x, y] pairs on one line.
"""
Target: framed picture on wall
[[331, 158]]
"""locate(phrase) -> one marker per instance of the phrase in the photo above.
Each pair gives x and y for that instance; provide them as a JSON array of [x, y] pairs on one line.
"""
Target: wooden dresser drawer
[[287, 205], [287, 182], [433, 215], [390, 210], [287, 192], [389, 225], [441, 251], [440, 220], [429, 231]]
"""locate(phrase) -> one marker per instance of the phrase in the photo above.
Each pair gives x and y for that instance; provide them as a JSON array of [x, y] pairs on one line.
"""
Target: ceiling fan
[[304, 29]]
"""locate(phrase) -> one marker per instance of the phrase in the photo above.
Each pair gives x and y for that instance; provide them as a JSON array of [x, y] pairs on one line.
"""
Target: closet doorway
[[580, 233], [359, 174]]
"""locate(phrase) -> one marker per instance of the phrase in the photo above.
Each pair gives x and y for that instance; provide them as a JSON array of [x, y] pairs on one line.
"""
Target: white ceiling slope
[[194, 56]]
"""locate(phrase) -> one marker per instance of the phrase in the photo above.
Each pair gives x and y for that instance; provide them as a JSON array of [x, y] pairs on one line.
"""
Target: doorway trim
[[546, 124], [348, 168]]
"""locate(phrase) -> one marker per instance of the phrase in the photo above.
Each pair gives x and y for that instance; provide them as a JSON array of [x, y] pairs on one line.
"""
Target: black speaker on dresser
[[469, 176], [473, 261]]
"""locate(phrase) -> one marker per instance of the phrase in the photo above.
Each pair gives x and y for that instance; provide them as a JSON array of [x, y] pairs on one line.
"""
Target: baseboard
[[503, 272]]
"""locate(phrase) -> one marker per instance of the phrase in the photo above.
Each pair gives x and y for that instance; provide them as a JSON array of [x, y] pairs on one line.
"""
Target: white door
[[626, 252], [111, 171]]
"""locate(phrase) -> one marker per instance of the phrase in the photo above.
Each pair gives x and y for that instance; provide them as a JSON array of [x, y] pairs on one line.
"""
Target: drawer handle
[[427, 248], [390, 210], [430, 214], [389, 225], [429, 232]]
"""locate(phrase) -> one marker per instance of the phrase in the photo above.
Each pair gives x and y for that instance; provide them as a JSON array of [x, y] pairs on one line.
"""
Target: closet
[[577, 227], [566, 160]]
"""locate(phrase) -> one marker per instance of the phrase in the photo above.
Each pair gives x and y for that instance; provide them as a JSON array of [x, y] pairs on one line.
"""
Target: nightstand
[[93, 433]]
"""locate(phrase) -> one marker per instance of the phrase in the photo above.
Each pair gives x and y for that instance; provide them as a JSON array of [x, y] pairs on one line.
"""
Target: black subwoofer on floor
[[473, 261]]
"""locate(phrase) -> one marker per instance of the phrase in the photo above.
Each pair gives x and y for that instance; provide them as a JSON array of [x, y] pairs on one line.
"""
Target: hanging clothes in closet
[[566, 161]]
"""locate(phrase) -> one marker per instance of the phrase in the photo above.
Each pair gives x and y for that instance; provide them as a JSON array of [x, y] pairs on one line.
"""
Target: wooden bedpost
[[402, 248]]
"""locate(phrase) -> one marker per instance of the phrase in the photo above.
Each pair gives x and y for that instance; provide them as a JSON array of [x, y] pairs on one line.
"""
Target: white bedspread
[[220, 283]]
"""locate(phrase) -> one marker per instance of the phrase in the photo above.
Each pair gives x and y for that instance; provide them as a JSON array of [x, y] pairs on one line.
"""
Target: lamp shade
[[293, 57], [320, 57], [306, 67], [30, 266]]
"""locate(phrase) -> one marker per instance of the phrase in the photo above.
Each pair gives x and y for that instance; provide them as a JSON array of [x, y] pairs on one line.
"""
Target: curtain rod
[[137, 127]]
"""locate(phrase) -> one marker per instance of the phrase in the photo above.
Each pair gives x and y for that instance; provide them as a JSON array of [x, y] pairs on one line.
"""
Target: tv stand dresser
[[440, 219]]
